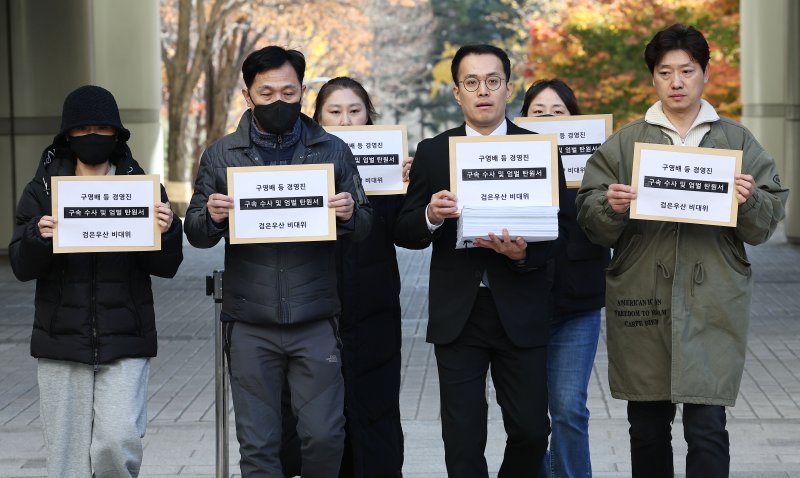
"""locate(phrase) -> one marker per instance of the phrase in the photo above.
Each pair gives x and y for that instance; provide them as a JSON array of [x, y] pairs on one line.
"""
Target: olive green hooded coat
[[677, 294]]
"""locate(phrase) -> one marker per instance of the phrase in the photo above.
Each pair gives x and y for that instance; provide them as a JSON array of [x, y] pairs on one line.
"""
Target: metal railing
[[221, 383]]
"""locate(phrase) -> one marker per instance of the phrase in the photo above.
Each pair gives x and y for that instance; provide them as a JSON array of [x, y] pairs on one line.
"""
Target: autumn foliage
[[597, 48]]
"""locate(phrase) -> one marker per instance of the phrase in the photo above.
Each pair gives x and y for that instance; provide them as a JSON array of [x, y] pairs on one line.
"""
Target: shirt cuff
[[431, 227]]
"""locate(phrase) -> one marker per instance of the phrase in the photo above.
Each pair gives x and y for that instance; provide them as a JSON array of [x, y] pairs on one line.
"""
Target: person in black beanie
[[94, 325]]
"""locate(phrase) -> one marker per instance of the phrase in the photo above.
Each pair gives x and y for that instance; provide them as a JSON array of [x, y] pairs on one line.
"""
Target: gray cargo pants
[[308, 355]]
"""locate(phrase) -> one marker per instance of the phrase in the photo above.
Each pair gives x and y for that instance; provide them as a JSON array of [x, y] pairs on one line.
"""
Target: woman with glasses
[[579, 294]]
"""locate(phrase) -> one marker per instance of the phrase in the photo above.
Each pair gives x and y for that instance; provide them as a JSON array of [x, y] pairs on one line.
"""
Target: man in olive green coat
[[678, 294]]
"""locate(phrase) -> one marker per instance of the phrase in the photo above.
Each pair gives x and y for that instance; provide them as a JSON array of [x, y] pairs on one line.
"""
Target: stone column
[[127, 61], [8, 197], [767, 62], [763, 76], [792, 148]]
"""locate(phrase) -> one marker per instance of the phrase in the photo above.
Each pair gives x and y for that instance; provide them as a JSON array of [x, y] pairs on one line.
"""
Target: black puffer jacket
[[280, 283], [580, 268], [91, 308], [369, 287]]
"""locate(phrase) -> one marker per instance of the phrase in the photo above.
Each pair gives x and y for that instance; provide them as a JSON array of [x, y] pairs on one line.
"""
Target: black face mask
[[93, 149], [277, 117]]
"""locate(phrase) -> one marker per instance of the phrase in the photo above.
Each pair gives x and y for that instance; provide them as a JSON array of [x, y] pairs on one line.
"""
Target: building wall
[[792, 126], [770, 86], [8, 198]]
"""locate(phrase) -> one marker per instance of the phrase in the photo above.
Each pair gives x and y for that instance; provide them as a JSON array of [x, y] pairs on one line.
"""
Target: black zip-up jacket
[[92, 308], [276, 283], [580, 268]]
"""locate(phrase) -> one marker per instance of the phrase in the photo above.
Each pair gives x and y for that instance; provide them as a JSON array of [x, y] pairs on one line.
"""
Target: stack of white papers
[[532, 223]]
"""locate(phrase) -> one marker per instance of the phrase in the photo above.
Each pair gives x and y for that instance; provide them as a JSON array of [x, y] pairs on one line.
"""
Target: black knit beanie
[[91, 105]]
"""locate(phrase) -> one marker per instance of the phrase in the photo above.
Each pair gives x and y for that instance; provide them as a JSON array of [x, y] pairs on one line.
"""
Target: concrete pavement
[[764, 426]]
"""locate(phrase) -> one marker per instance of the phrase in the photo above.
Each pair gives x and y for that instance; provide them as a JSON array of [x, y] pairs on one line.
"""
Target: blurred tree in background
[[203, 45], [399, 55], [597, 47], [461, 22], [401, 51]]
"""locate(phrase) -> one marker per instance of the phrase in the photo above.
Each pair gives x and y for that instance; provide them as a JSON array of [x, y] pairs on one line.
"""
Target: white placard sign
[[379, 151], [683, 184], [513, 170], [105, 213], [281, 203], [578, 137]]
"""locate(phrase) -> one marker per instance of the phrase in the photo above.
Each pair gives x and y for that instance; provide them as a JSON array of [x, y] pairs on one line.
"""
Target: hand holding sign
[[407, 168], [219, 206], [744, 187], [343, 204], [46, 225], [620, 197], [164, 215], [443, 205]]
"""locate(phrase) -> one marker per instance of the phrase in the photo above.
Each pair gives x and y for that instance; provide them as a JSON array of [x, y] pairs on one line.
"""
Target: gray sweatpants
[[94, 421]]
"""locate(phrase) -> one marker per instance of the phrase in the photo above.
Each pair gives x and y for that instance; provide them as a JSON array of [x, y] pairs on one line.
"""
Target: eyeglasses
[[493, 83]]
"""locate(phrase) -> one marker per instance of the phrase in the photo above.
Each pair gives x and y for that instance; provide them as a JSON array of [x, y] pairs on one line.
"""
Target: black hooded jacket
[[91, 308], [580, 268]]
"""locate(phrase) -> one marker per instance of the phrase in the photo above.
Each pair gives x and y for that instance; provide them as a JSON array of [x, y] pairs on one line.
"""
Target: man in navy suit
[[489, 306]]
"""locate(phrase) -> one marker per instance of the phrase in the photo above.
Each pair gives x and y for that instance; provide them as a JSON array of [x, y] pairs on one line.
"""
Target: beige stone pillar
[[766, 62], [763, 75], [127, 61], [792, 149]]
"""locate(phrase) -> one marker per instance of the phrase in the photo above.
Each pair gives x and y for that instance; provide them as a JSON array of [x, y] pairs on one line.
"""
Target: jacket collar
[[715, 138], [51, 164], [512, 128], [310, 133], [502, 129], [655, 116]]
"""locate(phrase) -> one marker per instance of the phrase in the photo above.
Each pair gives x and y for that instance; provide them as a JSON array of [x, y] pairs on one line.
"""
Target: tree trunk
[[177, 153]]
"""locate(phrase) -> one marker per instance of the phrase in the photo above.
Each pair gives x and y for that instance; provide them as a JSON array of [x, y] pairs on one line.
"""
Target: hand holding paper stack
[[532, 223]]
